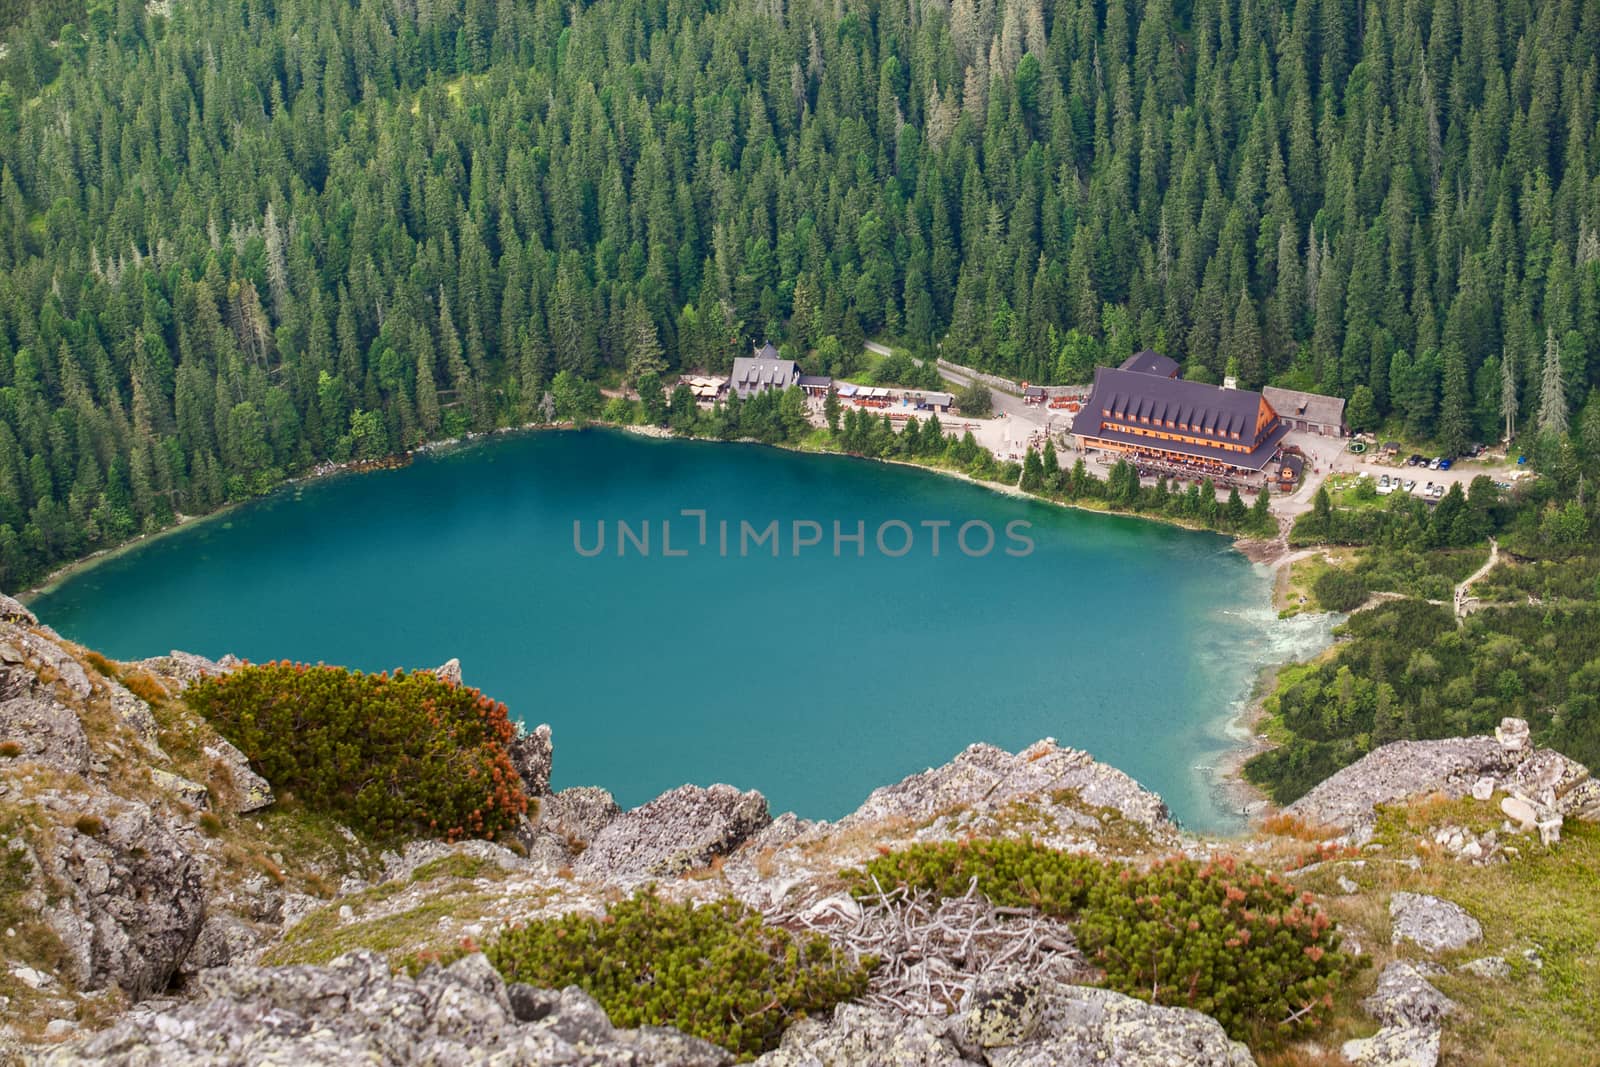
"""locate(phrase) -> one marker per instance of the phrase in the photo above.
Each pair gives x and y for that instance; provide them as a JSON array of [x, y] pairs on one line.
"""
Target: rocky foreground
[[162, 906]]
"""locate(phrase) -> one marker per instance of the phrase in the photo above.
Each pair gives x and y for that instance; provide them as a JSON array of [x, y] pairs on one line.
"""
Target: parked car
[[1433, 464], [1417, 461], [1444, 464], [1438, 491], [1411, 486]]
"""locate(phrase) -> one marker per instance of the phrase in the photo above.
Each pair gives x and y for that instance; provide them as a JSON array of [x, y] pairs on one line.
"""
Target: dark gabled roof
[[1033, 390], [816, 381], [1148, 362], [767, 351], [750, 373], [1210, 412], [1313, 407]]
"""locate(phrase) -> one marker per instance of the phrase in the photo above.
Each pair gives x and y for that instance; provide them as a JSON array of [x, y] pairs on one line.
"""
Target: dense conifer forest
[[236, 239]]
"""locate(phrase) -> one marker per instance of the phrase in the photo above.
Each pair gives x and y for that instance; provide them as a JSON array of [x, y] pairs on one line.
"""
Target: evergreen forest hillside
[[239, 239]]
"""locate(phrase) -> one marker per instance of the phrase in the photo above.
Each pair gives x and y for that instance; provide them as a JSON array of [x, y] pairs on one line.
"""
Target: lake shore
[[1238, 795]]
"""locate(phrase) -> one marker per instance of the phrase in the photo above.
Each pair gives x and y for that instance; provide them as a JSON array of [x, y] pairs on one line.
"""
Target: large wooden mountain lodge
[[1187, 424]]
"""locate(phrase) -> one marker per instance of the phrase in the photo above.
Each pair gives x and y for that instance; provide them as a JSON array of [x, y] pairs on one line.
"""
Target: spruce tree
[[1552, 391]]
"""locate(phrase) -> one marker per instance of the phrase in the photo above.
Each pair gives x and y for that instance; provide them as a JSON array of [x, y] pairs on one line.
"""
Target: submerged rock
[[678, 831], [354, 1010]]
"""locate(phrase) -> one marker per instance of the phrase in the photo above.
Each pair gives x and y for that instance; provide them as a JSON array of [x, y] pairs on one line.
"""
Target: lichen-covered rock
[[13, 611], [1405, 997], [678, 831], [403, 866], [1493, 968], [133, 897], [355, 1011], [984, 778], [1456, 767], [48, 663], [781, 831], [46, 731], [533, 755], [1545, 776], [192, 794], [1085, 1024], [857, 1035], [1402, 769], [1432, 923], [449, 672], [578, 814], [1395, 1046], [1045, 1024], [185, 668], [246, 790], [136, 715], [1003, 1015], [223, 939]]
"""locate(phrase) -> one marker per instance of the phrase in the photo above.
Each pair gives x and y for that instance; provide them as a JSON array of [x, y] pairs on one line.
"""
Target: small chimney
[[1230, 382]]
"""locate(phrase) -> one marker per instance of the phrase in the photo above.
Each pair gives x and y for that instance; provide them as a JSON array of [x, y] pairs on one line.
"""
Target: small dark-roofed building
[[1311, 412], [1148, 362], [1033, 394], [1289, 470], [1178, 421], [763, 371], [936, 401], [816, 384]]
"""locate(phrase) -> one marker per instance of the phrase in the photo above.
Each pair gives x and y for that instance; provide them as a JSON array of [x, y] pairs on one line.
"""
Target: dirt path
[[1461, 597]]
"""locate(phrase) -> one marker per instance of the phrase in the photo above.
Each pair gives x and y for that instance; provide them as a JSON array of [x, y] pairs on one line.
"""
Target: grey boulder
[[1432, 923], [134, 900], [678, 831], [1405, 997], [354, 1010]]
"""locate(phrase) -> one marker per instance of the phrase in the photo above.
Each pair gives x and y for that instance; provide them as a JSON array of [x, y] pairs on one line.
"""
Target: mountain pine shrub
[[1237, 943], [392, 755], [714, 971]]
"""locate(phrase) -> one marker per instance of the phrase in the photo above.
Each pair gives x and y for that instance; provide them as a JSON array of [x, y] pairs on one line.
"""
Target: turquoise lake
[[810, 677]]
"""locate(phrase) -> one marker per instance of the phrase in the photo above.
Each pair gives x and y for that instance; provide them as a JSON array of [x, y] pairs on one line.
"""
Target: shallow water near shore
[[811, 676]]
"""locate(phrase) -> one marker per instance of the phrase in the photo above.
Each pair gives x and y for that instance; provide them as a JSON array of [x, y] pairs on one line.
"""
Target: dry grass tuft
[[1282, 824]]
